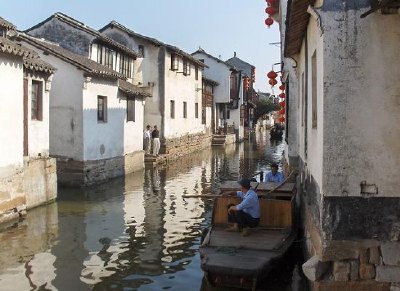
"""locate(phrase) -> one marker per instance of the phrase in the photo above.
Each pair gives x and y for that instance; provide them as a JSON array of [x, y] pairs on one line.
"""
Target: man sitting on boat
[[274, 175], [247, 213]]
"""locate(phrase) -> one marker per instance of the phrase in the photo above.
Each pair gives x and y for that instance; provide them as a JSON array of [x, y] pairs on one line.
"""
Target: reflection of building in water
[[25, 259]]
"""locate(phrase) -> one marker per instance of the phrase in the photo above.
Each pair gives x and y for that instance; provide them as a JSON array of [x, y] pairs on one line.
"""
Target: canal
[[136, 232]]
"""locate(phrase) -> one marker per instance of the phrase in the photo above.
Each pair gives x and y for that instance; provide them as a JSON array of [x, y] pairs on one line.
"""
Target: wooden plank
[[263, 186], [266, 240], [274, 213]]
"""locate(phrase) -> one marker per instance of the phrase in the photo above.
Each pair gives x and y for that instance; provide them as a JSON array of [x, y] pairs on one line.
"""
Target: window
[[314, 79], [228, 114], [186, 68], [174, 62], [102, 108], [196, 110], [172, 108], [130, 109], [203, 115], [184, 109], [37, 100], [303, 94], [105, 56], [141, 50], [196, 73], [125, 66]]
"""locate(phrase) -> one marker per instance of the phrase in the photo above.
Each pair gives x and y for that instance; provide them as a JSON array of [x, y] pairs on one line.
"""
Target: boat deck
[[230, 253]]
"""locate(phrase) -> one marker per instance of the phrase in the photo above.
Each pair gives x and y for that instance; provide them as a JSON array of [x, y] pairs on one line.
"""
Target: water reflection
[[131, 233]]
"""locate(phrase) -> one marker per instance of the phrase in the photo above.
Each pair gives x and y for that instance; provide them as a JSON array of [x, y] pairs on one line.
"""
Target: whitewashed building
[[96, 120], [176, 79], [27, 174], [341, 70], [248, 75], [228, 95]]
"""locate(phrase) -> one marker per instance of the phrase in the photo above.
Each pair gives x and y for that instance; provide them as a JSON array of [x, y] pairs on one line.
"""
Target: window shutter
[[40, 102]]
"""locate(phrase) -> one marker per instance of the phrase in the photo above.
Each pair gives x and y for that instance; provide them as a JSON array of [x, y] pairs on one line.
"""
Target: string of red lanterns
[[270, 10]]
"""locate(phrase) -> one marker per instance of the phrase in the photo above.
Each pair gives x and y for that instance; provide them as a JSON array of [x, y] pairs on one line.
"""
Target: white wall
[[182, 88], [38, 130], [11, 111], [361, 104], [220, 72], [103, 140], [145, 70]]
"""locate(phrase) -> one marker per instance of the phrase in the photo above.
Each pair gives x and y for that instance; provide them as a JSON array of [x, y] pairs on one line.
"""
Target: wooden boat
[[276, 133], [232, 260]]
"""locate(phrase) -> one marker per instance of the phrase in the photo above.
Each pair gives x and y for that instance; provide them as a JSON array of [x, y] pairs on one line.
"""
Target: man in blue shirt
[[247, 213], [274, 175]]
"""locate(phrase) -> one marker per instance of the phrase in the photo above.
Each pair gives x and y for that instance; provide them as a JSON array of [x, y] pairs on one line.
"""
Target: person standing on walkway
[[274, 175], [155, 134], [147, 140]]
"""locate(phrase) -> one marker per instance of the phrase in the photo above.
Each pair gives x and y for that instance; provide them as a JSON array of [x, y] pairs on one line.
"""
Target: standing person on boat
[[155, 134], [274, 175], [247, 213]]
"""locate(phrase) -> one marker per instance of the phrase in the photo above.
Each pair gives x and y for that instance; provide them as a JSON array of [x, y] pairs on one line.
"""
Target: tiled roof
[[36, 64], [132, 90], [79, 25], [30, 58], [202, 51], [297, 20], [239, 63], [209, 81], [7, 24], [154, 41], [87, 65]]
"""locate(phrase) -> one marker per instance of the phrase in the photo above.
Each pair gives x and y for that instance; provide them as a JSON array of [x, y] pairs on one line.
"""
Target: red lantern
[[282, 95], [282, 111], [269, 21], [270, 10], [282, 104], [272, 82], [246, 81], [281, 119], [271, 2], [272, 75], [282, 87]]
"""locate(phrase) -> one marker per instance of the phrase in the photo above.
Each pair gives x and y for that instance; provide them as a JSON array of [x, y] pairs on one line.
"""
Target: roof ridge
[[150, 39]]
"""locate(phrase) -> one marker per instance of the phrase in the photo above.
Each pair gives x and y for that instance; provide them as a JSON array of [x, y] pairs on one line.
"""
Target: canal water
[[136, 232]]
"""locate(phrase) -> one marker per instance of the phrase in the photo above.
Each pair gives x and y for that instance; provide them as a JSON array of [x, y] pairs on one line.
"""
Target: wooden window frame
[[101, 109], [37, 100], [184, 109], [314, 89], [196, 73], [172, 109], [174, 62], [130, 109], [196, 110], [141, 50], [125, 65]]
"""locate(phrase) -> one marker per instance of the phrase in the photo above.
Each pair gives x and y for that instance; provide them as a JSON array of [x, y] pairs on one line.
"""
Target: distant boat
[[276, 132], [231, 260]]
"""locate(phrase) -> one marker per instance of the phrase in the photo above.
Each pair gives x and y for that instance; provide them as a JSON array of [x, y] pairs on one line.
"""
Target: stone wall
[[26, 187], [352, 243], [40, 181], [85, 173], [176, 147], [12, 196]]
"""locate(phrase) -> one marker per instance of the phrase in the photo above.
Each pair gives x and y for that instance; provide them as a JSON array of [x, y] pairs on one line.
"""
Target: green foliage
[[264, 106]]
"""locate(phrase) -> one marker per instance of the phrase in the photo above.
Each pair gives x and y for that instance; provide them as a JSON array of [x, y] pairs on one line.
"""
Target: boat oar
[[201, 196]]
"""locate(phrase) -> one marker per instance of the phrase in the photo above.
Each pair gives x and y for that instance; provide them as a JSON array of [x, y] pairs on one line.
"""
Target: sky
[[220, 27]]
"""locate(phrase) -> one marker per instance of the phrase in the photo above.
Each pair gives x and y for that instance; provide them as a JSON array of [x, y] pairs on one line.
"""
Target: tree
[[264, 106]]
